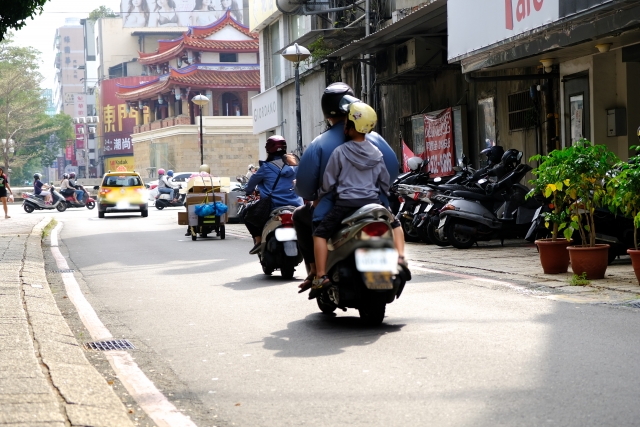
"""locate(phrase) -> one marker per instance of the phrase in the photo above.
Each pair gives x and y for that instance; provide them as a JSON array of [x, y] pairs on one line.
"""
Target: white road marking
[[141, 388], [469, 277]]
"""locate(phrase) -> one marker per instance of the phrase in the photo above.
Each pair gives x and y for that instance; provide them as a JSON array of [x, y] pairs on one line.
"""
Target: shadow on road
[[319, 335]]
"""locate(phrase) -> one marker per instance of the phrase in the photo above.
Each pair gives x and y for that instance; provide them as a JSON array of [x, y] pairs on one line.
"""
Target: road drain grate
[[62, 271], [109, 345], [634, 304]]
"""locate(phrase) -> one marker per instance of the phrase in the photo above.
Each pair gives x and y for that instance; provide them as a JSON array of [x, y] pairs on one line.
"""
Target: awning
[[428, 21]]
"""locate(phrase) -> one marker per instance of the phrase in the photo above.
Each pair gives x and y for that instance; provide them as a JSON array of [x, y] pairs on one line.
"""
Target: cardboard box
[[183, 218], [194, 219], [201, 184]]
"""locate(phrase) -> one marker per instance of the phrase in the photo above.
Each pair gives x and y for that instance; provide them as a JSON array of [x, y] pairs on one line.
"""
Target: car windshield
[[121, 181]]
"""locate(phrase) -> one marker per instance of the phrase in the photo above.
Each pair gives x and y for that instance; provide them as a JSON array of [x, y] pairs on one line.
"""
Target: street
[[230, 346]]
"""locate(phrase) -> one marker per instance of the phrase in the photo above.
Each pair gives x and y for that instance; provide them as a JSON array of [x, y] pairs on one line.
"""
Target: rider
[[314, 162], [175, 187], [41, 189], [66, 190], [356, 175], [164, 186], [280, 170], [251, 171], [72, 183]]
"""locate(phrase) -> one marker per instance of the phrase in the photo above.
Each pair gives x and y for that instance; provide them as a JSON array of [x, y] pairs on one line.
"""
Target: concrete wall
[[115, 45], [229, 146]]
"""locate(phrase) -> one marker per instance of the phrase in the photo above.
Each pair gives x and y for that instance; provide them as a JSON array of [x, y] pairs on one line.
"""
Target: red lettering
[[509, 14], [537, 4], [521, 10]]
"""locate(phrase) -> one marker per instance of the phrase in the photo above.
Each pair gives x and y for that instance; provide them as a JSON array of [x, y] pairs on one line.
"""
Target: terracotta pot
[[592, 261], [554, 256], [635, 261]]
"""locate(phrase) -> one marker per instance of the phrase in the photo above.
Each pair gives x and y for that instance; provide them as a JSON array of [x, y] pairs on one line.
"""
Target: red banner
[[439, 146], [79, 136], [406, 155], [69, 150]]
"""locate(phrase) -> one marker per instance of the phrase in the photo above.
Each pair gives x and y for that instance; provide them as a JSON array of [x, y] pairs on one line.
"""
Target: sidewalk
[[45, 378], [518, 262]]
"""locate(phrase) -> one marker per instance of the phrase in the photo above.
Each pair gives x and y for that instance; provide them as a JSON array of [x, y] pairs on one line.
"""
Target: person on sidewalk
[[356, 175], [313, 163], [4, 187]]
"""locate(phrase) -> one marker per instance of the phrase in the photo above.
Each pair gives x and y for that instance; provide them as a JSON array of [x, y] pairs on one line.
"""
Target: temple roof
[[197, 76], [198, 38]]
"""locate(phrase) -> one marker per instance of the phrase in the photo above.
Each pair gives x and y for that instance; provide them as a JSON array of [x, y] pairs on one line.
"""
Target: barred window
[[521, 111]]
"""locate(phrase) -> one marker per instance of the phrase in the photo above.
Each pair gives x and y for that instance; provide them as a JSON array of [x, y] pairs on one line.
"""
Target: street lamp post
[[200, 101], [296, 54]]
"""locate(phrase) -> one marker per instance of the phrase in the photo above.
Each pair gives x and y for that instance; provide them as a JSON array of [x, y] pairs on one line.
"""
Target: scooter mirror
[[414, 163], [465, 161], [97, 187]]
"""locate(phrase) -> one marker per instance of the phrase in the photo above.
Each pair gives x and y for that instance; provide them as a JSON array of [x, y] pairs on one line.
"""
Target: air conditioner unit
[[80, 130], [82, 120], [92, 130], [414, 53]]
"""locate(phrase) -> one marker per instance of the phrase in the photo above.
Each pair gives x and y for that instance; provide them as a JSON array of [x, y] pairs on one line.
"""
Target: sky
[[40, 31]]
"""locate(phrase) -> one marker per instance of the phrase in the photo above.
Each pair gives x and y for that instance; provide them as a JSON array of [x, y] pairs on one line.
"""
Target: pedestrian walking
[[4, 187]]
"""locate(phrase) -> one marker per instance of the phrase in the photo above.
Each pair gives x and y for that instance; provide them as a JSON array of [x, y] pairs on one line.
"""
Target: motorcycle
[[362, 265], [279, 249], [33, 202], [87, 201], [493, 210], [164, 200]]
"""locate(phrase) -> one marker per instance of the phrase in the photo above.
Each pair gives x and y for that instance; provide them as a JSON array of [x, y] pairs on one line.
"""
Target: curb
[[84, 396]]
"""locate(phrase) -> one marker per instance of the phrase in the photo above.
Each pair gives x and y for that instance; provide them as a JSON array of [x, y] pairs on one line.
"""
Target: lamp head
[[296, 53]]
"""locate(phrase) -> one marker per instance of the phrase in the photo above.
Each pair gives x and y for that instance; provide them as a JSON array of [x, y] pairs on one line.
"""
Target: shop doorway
[[577, 121], [231, 105]]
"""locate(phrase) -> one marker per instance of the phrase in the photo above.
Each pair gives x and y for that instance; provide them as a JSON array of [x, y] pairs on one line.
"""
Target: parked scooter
[[279, 249], [363, 266], [493, 210], [33, 202]]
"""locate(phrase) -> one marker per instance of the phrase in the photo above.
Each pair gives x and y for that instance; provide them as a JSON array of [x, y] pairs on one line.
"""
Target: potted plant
[[586, 170], [623, 196], [551, 183]]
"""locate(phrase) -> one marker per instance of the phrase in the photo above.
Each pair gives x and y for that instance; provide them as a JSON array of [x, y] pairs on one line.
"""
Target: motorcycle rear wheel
[[288, 269], [159, 207], [435, 237], [372, 311], [27, 208], [410, 233], [325, 308], [457, 240], [267, 270], [91, 205]]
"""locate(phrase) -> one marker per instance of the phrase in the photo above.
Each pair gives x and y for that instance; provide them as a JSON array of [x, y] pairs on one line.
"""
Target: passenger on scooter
[[314, 162], [41, 189], [356, 176], [72, 183], [277, 173], [66, 190], [174, 187], [164, 186]]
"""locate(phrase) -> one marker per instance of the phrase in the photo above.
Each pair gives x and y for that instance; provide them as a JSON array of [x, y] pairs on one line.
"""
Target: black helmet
[[331, 99], [37, 176], [494, 154], [511, 158]]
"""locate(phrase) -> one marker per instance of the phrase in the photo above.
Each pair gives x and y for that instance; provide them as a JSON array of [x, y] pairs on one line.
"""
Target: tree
[[25, 129], [101, 12], [14, 13]]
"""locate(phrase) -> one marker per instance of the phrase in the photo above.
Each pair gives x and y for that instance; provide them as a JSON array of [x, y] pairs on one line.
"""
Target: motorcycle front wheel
[[410, 233], [61, 207], [435, 237]]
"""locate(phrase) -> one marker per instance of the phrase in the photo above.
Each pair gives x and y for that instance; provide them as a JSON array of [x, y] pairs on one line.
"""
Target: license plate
[[416, 210], [442, 222], [376, 260], [378, 281], [286, 234], [428, 208]]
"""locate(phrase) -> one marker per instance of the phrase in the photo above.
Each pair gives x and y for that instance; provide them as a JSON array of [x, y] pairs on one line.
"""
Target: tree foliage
[[623, 192], [102, 12], [14, 13], [27, 131]]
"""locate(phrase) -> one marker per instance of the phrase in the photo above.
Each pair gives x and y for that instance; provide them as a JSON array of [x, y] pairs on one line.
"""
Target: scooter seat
[[472, 195]]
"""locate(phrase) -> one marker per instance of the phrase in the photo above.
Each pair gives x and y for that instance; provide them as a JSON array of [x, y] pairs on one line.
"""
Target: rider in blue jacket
[[313, 164], [277, 163]]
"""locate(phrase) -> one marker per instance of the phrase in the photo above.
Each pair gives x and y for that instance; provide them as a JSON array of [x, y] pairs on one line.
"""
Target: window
[[228, 57], [298, 26], [576, 119], [67, 49], [122, 181], [521, 111], [274, 46], [486, 126]]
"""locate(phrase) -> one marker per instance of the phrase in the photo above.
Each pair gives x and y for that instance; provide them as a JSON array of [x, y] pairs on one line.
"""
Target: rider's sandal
[[404, 268], [319, 285], [304, 286]]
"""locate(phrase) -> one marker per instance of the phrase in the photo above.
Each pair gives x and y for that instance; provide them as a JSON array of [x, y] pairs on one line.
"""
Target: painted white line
[[469, 277], [141, 388]]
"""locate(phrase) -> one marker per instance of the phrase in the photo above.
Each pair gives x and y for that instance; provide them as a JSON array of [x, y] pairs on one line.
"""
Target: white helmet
[[414, 163]]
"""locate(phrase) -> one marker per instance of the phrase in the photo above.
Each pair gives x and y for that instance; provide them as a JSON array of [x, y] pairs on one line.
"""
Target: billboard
[[177, 13], [112, 163], [501, 20], [80, 105], [79, 136], [261, 11]]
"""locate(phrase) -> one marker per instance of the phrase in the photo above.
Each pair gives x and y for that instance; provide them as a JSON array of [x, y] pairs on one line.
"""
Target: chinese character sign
[[80, 105], [69, 154], [116, 118], [79, 136], [439, 148]]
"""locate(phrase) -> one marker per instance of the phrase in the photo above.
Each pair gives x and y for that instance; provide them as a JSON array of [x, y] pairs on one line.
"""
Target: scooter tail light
[[448, 207], [375, 229], [401, 199], [286, 218]]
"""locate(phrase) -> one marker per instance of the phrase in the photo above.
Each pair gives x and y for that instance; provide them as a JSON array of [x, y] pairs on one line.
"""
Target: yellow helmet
[[363, 116], [205, 168]]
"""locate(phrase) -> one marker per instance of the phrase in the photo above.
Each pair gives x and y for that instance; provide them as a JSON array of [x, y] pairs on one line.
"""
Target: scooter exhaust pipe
[[465, 229]]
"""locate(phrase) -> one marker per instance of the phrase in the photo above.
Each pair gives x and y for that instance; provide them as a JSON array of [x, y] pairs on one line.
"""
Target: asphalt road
[[238, 348]]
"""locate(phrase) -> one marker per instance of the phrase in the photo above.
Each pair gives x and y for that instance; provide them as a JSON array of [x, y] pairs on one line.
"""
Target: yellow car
[[122, 192]]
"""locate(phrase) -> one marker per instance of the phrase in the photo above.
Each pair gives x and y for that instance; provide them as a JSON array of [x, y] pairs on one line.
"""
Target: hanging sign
[[438, 139]]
